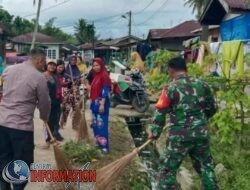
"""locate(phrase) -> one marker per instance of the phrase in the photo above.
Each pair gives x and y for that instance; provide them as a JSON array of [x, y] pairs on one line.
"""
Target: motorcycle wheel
[[143, 107]]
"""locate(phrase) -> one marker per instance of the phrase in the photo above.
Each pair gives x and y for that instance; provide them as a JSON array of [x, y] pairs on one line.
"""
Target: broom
[[111, 172], [83, 135], [61, 162], [77, 112]]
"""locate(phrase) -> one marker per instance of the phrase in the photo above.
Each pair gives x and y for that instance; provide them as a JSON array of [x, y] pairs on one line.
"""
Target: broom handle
[[145, 144], [73, 83], [48, 129]]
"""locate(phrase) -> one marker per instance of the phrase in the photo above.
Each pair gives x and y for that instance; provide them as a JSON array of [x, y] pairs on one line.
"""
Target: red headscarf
[[100, 79]]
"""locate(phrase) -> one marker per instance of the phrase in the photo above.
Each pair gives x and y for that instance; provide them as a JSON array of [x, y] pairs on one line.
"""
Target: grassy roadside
[[121, 143]]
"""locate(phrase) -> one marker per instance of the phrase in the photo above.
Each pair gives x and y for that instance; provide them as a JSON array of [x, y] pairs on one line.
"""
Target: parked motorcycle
[[130, 90]]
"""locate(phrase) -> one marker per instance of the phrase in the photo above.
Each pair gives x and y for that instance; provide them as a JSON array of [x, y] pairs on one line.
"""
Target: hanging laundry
[[232, 52], [215, 47]]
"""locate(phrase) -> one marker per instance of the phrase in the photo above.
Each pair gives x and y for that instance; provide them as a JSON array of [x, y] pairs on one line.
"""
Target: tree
[[198, 6], [84, 32], [36, 22], [21, 26], [6, 18], [50, 29]]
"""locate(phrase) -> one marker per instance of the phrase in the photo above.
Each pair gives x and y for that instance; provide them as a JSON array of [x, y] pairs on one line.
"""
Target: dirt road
[[47, 156]]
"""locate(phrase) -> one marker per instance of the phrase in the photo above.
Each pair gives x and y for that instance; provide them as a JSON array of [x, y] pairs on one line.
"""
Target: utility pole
[[93, 39], [129, 23], [36, 24]]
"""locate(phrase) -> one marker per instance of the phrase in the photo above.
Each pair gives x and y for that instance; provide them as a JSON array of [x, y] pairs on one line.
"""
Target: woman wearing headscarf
[[71, 93], [100, 104]]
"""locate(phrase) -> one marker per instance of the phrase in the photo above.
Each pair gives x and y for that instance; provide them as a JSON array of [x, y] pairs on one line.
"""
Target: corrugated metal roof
[[40, 38], [182, 30], [106, 44], [157, 33], [239, 4]]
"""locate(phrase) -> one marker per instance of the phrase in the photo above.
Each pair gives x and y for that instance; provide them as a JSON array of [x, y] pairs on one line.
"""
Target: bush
[[80, 153]]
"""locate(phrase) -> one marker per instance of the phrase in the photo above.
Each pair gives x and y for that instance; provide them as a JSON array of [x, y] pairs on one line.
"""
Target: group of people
[[63, 84], [64, 91], [189, 102], [53, 88]]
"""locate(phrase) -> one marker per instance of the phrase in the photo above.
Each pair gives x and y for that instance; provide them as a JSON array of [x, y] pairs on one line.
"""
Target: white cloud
[[68, 13]]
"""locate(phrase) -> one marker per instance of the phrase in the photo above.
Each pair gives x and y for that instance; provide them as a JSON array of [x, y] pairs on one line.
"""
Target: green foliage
[[80, 153], [197, 6], [18, 26], [21, 26], [194, 70], [231, 119], [157, 82], [84, 32], [158, 59], [236, 162], [140, 182], [6, 18], [50, 29]]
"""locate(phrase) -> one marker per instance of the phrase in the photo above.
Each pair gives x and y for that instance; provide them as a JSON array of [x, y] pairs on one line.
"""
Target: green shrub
[[80, 153]]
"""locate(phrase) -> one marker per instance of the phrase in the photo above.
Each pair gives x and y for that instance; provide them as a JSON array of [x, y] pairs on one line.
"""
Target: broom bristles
[[83, 127], [109, 173], [62, 164], [112, 171], [83, 135], [76, 118], [61, 161]]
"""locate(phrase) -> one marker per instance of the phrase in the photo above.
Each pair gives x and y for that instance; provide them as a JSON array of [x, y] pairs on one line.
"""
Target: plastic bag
[[163, 101]]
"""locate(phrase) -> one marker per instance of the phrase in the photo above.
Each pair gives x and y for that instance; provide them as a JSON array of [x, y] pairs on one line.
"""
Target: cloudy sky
[[146, 14]]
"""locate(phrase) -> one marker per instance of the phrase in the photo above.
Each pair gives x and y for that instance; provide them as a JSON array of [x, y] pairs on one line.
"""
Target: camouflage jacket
[[191, 105]]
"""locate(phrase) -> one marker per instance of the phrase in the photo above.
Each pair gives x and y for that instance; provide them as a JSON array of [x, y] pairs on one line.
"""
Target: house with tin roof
[[120, 48], [54, 48], [172, 38]]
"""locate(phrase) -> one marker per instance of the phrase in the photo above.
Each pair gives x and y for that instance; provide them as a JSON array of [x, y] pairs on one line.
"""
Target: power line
[[47, 8], [107, 18], [104, 26], [136, 28], [113, 16], [139, 12], [161, 7]]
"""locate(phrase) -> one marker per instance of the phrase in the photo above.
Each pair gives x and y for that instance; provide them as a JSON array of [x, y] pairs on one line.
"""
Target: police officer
[[190, 103]]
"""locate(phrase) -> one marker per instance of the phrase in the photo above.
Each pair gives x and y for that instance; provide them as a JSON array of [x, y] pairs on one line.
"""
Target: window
[[51, 53]]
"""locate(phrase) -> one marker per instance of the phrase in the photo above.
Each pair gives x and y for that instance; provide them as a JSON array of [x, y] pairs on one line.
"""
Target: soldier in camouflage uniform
[[191, 104]]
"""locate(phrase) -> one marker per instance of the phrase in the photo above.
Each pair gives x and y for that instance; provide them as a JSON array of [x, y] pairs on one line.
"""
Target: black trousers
[[54, 120], [15, 145]]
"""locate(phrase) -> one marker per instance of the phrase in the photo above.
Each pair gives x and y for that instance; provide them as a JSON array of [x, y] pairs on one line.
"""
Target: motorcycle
[[129, 90]]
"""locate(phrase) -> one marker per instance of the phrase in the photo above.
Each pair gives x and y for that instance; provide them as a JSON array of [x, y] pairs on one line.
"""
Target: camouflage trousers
[[178, 148]]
